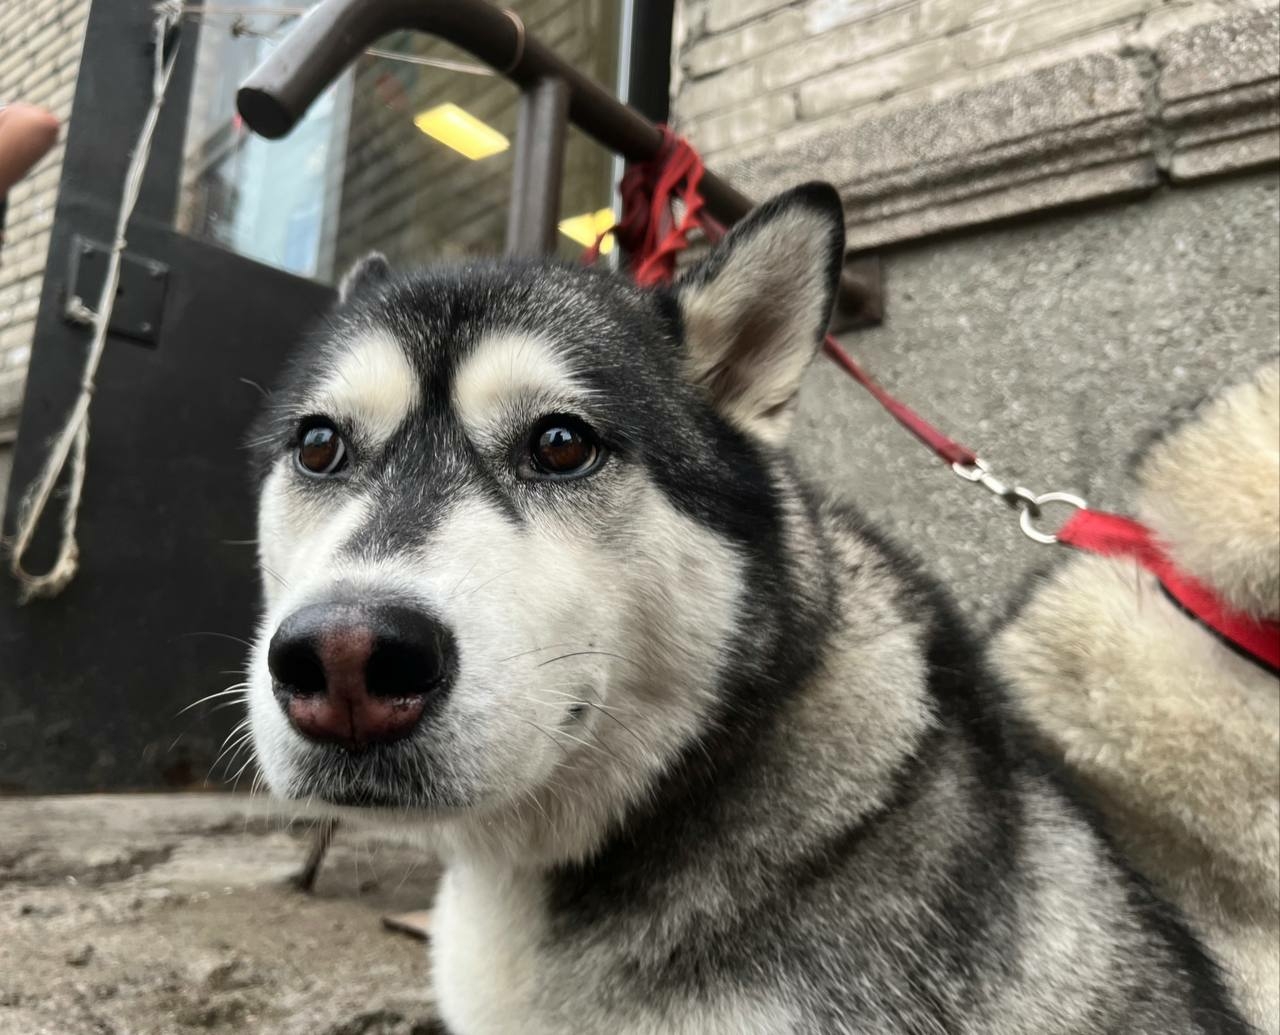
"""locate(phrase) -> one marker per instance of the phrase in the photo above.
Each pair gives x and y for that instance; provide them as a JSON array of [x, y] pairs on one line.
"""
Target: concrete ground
[[174, 914]]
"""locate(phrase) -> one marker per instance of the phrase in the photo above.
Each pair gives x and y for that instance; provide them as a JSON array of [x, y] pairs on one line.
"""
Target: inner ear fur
[[755, 310]]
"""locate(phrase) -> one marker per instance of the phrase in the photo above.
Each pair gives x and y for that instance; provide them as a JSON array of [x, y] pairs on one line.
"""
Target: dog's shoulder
[[960, 681]]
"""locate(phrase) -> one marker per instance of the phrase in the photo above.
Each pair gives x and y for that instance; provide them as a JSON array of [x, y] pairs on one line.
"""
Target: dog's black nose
[[359, 674]]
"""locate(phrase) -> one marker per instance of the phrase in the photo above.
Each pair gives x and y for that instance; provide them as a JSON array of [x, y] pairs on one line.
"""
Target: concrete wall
[[39, 54], [1054, 348]]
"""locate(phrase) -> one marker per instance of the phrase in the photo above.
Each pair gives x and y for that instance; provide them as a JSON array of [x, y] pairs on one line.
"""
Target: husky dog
[[702, 755]]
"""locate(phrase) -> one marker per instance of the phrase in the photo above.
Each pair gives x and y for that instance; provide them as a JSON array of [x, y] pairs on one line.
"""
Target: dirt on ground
[[177, 914]]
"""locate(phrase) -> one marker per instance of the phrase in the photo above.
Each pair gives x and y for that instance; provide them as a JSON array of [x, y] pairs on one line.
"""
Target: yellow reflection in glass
[[587, 227], [462, 131]]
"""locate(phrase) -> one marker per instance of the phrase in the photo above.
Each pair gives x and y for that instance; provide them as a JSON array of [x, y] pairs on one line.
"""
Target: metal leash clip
[[1027, 503]]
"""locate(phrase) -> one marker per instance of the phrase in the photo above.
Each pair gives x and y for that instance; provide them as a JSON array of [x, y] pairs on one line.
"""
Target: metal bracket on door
[[140, 296]]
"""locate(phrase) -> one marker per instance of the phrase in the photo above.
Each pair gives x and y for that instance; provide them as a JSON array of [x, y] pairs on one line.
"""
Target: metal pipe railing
[[335, 32], [532, 216]]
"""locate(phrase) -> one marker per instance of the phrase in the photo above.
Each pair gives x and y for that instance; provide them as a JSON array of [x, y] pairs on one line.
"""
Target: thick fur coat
[[1175, 736], [702, 754]]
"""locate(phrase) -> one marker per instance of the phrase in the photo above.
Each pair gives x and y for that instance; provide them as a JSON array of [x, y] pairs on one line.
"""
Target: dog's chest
[[497, 971], [486, 962]]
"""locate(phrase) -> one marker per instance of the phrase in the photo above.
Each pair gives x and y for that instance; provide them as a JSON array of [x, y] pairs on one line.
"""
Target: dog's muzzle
[[356, 675]]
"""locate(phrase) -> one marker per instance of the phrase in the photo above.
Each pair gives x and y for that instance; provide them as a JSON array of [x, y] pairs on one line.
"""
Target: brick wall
[[931, 115], [766, 74], [39, 54]]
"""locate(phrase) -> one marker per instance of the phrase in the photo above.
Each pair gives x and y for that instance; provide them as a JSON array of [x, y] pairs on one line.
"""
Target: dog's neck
[[815, 704]]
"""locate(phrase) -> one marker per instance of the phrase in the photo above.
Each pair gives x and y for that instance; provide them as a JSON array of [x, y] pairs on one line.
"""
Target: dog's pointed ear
[[756, 309], [367, 273]]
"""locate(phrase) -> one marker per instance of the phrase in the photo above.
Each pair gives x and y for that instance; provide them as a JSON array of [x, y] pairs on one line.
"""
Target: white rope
[[73, 441]]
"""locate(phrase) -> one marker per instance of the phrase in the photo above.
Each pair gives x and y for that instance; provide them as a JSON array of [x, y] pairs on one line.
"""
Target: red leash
[[648, 229], [1111, 535], [649, 232], [652, 235], [947, 449]]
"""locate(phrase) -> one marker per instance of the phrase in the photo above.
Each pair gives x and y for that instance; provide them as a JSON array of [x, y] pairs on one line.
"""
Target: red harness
[[653, 238]]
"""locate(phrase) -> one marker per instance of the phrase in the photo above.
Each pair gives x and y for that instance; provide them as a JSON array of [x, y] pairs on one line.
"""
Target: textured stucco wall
[[1053, 348]]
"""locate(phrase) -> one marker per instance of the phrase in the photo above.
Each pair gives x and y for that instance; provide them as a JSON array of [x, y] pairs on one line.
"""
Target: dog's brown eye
[[563, 446], [321, 450]]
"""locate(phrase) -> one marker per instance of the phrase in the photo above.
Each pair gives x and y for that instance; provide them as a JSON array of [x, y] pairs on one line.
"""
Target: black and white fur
[[716, 760]]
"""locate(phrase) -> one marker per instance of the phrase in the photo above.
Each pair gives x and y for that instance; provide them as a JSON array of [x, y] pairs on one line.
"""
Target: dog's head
[[513, 520]]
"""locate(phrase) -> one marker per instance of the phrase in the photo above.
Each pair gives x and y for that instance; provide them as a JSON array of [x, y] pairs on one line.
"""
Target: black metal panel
[[113, 91], [91, 681]]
